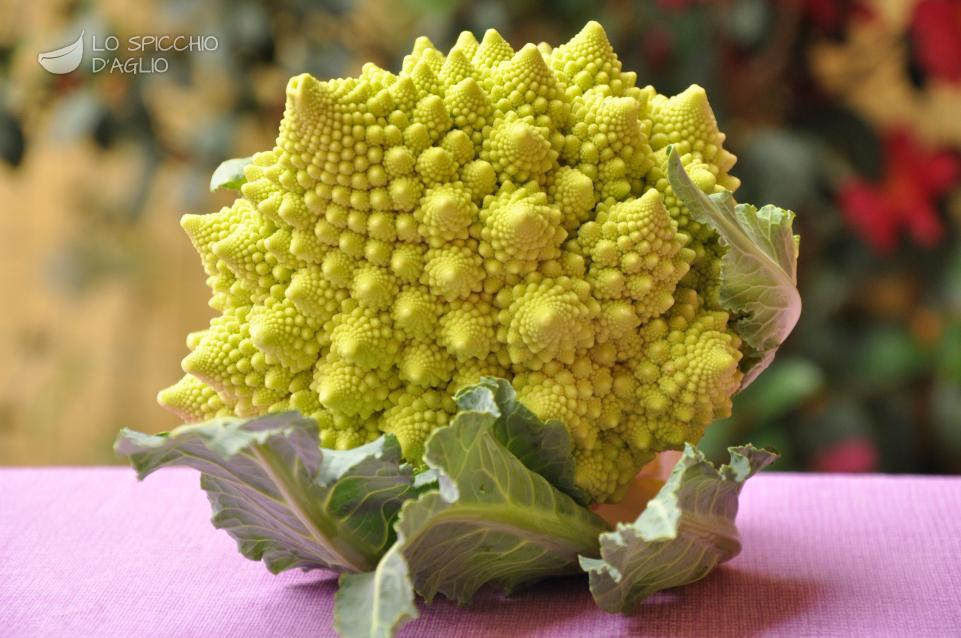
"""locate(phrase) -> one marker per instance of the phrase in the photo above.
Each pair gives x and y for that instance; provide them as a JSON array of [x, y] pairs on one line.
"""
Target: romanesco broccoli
[[481, 213]]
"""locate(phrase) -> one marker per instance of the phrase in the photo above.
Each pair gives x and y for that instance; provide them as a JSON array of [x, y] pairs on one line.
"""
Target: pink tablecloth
[[89, 552]]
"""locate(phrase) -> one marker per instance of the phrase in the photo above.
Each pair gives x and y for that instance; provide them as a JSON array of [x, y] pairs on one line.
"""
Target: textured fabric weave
[[90, 552]]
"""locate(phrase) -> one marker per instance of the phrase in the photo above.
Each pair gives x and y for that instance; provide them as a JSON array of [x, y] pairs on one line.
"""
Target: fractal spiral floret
[[481, 213]]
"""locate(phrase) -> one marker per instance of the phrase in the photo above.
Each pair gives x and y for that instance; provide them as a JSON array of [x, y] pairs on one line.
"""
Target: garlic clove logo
[[63, 60]]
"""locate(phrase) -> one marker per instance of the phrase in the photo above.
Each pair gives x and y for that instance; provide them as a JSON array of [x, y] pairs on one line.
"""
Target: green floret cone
[[480, 213]]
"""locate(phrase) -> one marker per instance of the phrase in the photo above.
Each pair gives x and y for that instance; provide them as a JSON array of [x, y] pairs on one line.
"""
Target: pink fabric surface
[[89, 552]]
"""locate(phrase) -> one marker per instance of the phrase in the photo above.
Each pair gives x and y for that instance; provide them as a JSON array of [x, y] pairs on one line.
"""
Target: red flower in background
[[905, 199], [936, 35], [852, 455]]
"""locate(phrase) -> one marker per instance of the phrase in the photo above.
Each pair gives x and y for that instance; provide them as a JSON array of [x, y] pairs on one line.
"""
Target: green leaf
[[948, 355], [281, 497], [945, 410], [426, 480], [545, 448], [758, 270], [375, 604], [230, 174], [888, 356], [685, 532], [490, 519], [784, 387]]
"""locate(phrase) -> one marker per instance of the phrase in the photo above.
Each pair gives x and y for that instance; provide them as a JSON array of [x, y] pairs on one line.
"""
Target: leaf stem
[[324, 534]]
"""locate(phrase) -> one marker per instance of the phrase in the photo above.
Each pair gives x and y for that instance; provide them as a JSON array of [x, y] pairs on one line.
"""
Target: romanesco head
[[483, 212]]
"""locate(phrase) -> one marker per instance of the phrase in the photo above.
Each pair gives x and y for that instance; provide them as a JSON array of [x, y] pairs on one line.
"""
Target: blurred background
[[847, 112]]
